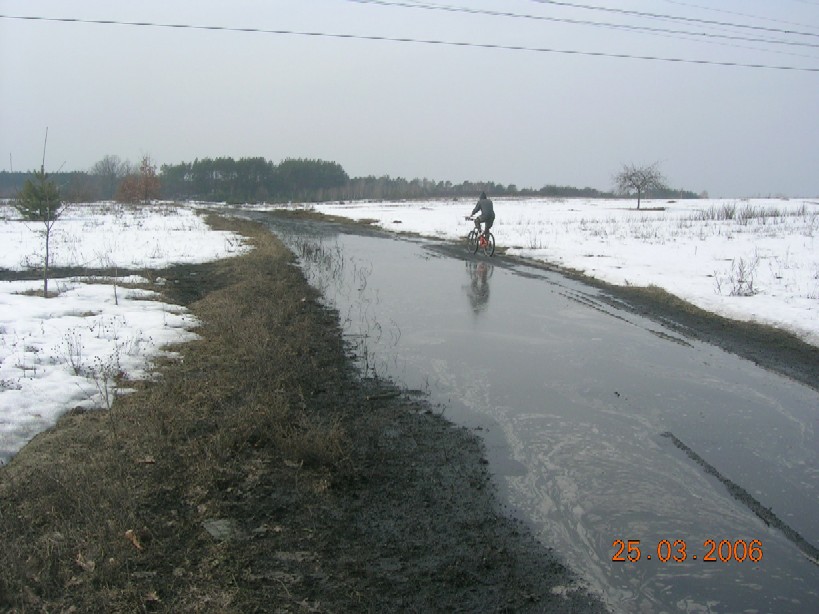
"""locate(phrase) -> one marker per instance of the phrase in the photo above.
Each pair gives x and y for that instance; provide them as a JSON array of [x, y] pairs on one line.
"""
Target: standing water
[[670, 475]]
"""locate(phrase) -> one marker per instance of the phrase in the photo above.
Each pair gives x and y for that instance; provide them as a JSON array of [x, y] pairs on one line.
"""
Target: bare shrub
[[739, 281], [72, 347]]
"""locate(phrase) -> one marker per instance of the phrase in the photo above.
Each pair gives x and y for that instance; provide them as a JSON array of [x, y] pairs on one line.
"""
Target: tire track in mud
[[765, 514], [591, 303]]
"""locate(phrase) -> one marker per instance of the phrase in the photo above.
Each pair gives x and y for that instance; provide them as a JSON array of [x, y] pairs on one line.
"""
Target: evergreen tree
[[39, 201]]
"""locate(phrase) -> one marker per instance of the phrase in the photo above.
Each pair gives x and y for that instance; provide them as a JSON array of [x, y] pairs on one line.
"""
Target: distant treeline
[[254, 180], [73, 185]]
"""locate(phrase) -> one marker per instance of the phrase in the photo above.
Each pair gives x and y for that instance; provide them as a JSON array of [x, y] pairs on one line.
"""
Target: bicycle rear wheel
[[489, 247]]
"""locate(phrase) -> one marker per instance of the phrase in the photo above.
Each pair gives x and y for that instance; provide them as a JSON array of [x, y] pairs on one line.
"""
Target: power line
[[364, 37], [582, 22], [747, 15], [675, 18]]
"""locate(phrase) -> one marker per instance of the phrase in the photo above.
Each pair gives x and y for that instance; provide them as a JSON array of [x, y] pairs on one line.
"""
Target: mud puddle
[[590, 415]]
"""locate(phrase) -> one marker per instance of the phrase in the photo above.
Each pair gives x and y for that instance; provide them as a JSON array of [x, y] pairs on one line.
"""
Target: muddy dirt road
[[604, 428]]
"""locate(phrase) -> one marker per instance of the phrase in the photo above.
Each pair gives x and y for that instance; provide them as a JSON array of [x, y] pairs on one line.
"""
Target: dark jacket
[[486, 208]]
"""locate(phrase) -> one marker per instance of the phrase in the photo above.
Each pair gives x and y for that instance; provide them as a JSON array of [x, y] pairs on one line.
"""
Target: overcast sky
[[415, 109]]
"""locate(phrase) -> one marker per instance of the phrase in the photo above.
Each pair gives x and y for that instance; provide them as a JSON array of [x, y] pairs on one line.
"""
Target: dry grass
[[152, 464]]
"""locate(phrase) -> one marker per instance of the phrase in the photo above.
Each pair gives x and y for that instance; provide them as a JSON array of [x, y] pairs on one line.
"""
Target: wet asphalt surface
[[610, 435]]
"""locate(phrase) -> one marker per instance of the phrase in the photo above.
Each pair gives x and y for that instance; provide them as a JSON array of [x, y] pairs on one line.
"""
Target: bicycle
[[477, 240]]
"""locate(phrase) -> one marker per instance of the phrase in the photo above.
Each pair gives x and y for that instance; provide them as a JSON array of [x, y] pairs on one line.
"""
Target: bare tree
[[638, 180], [110, 170]]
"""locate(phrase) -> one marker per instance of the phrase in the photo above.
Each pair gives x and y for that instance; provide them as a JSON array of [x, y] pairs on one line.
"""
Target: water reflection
[[478, 289]]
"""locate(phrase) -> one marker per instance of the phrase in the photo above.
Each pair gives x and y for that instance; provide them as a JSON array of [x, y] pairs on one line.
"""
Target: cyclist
[[487, 215]]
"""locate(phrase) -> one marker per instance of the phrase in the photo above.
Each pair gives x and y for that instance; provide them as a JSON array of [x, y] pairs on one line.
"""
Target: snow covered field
[[64, 352], [746, 259], [754, 259]]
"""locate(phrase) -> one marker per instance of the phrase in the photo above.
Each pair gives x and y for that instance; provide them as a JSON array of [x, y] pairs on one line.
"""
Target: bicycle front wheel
[[472, 241]]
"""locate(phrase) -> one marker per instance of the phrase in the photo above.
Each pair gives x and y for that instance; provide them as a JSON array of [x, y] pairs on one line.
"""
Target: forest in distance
[[256, 180]]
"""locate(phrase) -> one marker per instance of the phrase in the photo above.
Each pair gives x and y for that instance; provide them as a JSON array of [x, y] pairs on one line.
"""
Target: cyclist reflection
[[478, 289]]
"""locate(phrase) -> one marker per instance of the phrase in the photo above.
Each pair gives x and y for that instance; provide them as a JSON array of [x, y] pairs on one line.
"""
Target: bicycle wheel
[[472, 241], [489, 246]]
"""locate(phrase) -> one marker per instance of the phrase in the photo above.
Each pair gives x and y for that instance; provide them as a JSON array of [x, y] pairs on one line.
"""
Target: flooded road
[[637, 454]]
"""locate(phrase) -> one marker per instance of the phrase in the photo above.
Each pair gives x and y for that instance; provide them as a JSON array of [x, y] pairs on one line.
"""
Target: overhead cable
[[365, 37], [746, 15], [675, 18], [582, 22]]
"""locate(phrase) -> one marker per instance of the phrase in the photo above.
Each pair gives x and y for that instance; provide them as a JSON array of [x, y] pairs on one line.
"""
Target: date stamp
[[713, 551]]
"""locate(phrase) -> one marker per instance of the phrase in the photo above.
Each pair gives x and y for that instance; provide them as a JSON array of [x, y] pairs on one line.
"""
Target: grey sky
[[421, 110]]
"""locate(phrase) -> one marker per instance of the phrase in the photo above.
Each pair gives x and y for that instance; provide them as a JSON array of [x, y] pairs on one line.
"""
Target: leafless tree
[[110, 170], [638, 180]]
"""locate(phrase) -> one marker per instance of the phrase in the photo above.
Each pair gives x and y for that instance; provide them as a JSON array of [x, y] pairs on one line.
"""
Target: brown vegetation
[[142, 186]]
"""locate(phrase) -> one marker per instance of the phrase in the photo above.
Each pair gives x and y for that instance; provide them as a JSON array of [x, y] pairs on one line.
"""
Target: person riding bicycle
[[487, 215]]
